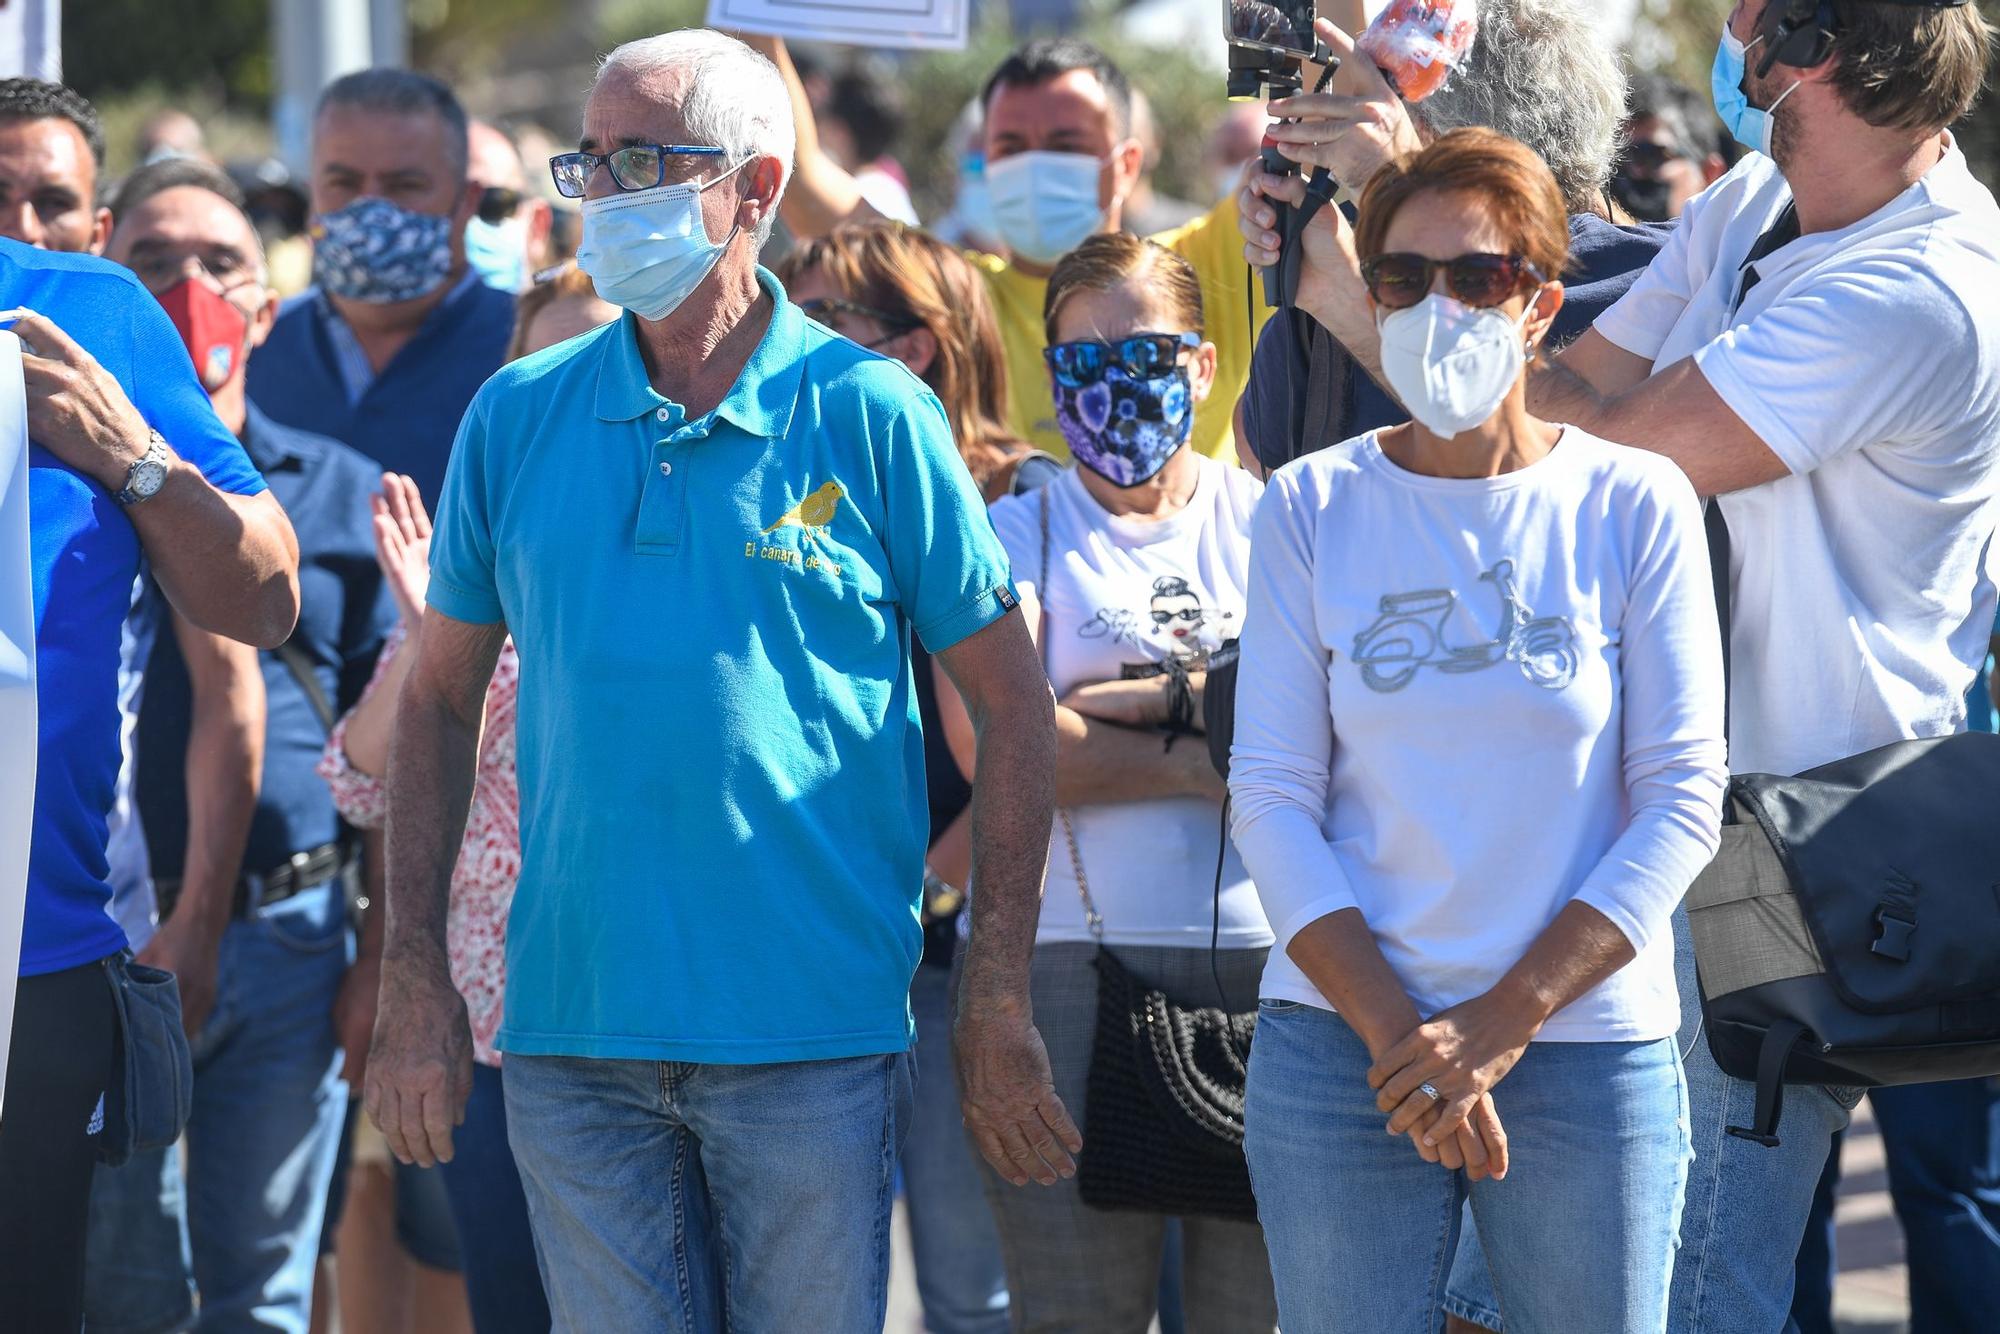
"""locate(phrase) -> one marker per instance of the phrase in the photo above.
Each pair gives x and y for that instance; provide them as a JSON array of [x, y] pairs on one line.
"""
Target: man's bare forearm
[[223, 767], [431, 768], [1558, 394], [1013, 805], [228, 563]]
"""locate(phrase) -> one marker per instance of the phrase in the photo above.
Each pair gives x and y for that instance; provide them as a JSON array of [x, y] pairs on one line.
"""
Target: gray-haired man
[[711, 529]]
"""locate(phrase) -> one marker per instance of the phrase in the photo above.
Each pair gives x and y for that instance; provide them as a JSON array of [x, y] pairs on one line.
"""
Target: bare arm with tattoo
[[420, 1066]]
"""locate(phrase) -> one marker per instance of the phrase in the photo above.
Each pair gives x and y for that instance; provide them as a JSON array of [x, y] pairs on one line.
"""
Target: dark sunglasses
[[1400, 281], [1163, 617], [497, 204], [826, 309], [1143, 357], [1651, 157], [637, 167]]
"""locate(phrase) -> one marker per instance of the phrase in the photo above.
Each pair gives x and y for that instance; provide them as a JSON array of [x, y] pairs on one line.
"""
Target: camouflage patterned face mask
[[375, 252]]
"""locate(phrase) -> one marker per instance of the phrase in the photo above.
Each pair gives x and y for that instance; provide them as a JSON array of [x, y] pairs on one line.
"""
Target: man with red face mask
[[268, 1102]]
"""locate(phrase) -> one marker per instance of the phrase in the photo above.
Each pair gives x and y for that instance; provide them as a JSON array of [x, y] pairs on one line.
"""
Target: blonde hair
[[1107, 262]]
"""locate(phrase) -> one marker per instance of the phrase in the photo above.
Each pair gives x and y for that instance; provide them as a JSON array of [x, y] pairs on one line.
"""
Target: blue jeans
[[1746, 1205], [960, 1277], [1942, 1144], [682, 1198], [1361, 1232], [495, 1245], [268, 1107]]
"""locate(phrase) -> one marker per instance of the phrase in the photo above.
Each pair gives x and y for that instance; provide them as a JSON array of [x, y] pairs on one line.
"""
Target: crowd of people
[[650, 715]]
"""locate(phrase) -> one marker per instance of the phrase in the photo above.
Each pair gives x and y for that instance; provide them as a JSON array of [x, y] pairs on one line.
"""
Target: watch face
[[148, 477]]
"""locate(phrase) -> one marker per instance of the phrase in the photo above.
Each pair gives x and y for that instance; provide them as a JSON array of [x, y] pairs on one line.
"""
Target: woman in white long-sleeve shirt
[[1478, 759]]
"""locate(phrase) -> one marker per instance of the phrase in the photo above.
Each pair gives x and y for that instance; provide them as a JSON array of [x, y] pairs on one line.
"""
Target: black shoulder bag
[[1163, 1110], [1848, 932]]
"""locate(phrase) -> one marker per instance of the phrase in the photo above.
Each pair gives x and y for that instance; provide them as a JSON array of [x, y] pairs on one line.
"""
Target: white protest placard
[[17, 684], [923, 25]]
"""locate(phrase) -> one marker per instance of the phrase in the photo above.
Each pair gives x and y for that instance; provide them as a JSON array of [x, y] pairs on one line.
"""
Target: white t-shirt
[[1465, 703], [1868, 360], [1122, 596]]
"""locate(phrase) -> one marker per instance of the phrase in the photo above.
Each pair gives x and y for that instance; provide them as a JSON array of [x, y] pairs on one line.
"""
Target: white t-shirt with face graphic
[[1121, 597]]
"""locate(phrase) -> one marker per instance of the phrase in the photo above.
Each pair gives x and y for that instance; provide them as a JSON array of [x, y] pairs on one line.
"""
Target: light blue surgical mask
[[647, 250], [1750, 125], [498, 252], [1045, 204]]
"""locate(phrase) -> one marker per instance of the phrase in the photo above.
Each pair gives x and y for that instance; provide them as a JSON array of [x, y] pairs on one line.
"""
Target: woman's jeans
[[960, 1280], [490, 1213], [1072, 1269], [1580, 1235]]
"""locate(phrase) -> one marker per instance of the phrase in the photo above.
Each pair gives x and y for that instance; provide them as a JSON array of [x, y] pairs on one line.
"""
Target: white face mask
[[1045, 204], [647, 250], [1452, 364]]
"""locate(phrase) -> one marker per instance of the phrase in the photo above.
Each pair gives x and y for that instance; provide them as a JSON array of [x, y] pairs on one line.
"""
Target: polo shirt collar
[[270, 446], [760, 403]]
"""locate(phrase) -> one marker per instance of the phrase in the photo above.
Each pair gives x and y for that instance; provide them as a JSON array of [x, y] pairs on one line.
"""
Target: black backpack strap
[[1779, 1040], [1717, 529]]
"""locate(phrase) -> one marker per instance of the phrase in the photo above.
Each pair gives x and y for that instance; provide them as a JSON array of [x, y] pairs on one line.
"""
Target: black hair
[[34, 99], [403, 92], [1687, 115], [1047, 58], [171, 174], [871, 107], [1171, 586]]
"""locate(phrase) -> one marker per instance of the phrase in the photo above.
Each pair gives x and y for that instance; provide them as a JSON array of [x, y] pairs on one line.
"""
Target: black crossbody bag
[[1848, 932], [1163, 1108]]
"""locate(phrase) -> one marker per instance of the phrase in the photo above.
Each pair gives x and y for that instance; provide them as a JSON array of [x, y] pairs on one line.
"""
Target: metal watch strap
[[1091, 917], [158, 456]]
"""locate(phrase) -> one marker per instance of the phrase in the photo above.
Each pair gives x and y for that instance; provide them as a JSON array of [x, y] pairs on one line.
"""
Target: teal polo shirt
[[723, 810]]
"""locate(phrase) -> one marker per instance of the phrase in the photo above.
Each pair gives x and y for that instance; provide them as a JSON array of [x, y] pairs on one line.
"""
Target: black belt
[[260, 889]]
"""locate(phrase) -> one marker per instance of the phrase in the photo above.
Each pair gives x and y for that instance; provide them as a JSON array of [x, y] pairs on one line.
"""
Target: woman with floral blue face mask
[[1478, 759], [1132, 570]]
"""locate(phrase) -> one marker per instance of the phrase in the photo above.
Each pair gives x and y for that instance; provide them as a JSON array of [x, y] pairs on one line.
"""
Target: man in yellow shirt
[[1060, 163]]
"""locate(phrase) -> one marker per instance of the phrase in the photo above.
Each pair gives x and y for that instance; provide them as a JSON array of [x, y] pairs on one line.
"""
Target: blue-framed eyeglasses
[[634, 167], [1144, 356]]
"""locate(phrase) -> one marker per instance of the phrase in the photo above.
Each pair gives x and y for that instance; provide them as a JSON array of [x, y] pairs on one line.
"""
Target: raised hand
[[403, 544], [1353, 129]]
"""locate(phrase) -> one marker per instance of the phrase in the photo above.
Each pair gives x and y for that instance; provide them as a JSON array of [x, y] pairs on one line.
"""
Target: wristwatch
[[148, 474]]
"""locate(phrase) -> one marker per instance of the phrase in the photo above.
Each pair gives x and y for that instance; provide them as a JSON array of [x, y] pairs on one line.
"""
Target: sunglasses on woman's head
[[1143, 357], [1400, 281]]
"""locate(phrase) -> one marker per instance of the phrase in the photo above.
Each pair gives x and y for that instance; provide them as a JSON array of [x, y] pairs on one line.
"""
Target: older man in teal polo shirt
[[711, 528]]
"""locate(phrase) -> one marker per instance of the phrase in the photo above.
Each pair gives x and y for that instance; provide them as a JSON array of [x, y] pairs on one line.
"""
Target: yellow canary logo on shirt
[[811, 516], [813, 513]]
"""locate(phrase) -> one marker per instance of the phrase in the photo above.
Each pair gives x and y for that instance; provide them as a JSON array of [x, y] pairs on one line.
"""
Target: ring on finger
[[1430, 1091]]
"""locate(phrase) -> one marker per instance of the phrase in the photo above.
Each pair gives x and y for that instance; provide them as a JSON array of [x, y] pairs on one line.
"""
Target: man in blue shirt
[[120, 465], [711, 529], [397, 331], [268, 1102]]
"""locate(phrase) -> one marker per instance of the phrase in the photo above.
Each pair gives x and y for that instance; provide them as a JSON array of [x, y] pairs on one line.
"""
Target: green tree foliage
[[220, 48]]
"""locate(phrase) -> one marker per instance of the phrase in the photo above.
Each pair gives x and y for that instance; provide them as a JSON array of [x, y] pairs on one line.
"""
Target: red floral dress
[[489, 860]]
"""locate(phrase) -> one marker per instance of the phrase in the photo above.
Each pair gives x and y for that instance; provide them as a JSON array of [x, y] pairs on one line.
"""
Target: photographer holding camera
[[1541, 72], [1806, 348]]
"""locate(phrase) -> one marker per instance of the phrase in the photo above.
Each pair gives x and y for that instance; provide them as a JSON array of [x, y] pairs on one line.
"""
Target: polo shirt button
[[663, 414], [666, 468]]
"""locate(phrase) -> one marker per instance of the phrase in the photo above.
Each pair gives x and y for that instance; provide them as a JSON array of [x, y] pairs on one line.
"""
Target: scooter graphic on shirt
[[1409, 635]]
